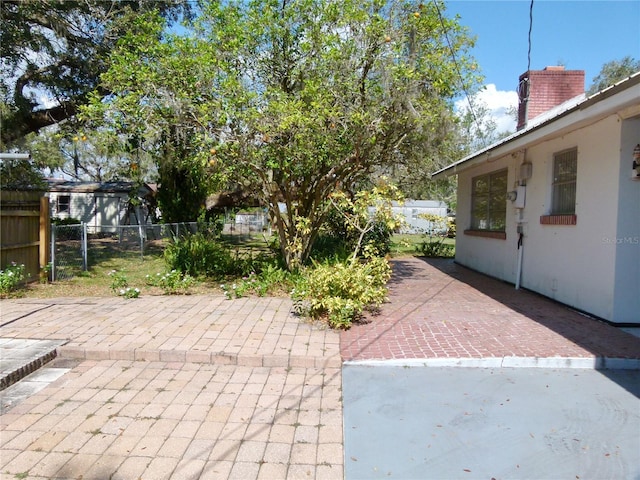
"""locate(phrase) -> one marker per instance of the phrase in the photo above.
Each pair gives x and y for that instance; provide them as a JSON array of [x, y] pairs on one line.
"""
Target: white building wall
[[493, 256], [94, 209], [570, 263], [626, 241]]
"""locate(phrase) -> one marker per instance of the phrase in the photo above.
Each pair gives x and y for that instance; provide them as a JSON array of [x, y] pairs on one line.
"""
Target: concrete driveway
[[490, 423]]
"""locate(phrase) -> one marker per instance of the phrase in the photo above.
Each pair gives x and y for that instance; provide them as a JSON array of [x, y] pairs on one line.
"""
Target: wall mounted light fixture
[[635, 173]]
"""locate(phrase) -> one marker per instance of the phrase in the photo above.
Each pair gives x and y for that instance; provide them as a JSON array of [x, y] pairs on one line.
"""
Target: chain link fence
[[73, 247]]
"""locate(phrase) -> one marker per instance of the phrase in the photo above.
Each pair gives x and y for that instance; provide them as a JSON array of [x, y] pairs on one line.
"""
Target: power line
[[530, 29]]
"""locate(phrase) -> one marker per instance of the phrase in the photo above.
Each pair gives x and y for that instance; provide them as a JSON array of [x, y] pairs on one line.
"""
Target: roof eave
[[539, 131]]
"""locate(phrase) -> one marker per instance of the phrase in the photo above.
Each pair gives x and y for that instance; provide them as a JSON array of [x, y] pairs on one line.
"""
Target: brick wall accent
[[546, 89], [558, 219]]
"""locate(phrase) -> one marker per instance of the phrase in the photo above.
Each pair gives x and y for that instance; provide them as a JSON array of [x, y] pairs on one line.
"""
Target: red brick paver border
[[440, 310]]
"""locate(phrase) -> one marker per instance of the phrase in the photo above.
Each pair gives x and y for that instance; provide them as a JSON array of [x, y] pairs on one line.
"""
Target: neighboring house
[[99, 205], [411, 211], [555, 207]]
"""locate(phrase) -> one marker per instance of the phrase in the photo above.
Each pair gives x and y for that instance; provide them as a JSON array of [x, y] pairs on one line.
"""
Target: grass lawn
[[105, 257]]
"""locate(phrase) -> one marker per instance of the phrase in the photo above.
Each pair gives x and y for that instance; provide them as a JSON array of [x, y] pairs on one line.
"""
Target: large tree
[[613, 72], [57, 49], [293, 99]]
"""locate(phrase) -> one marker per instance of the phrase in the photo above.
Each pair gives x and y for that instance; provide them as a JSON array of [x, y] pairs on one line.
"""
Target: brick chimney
[[541, 90]]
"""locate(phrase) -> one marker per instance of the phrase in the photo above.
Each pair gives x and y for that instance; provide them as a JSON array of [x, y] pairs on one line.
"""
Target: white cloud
[[497, 102], [48, 102]]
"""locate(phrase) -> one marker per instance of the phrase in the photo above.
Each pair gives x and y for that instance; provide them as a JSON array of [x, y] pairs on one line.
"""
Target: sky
[[579, 34]]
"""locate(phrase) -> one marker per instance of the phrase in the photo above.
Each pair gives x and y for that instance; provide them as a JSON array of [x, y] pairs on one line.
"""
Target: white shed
[[99, 205]]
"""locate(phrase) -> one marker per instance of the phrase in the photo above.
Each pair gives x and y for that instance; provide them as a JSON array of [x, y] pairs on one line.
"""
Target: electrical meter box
[[520, 197]]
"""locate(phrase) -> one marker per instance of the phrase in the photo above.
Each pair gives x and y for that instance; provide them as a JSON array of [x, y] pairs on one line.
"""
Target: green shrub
[[120, 285], [10, 278], [172, 283], [436, 248], [342, 291], [206, 255], [199, 254], [65, 221], [271, 279], [338, 238]]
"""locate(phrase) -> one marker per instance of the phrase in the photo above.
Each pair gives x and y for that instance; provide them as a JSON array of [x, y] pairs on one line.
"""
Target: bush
[[338, 238], [271, 279], [342, 291], [120, 285], [65, 221], [206, 255], [436, 248], [10, 278], [199, 254], [172, 283]]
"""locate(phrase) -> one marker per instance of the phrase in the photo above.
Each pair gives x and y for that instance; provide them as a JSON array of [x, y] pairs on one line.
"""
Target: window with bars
[[489, 202], [565, 166]]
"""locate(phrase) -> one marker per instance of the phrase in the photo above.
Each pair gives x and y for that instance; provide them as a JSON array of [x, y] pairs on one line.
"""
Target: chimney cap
[[556, 68]]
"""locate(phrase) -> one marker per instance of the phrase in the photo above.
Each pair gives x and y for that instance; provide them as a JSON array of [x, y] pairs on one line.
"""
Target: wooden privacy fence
[[24, 230]]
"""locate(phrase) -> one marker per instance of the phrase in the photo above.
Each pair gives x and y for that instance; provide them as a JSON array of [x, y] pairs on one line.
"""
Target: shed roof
[[94, 187]]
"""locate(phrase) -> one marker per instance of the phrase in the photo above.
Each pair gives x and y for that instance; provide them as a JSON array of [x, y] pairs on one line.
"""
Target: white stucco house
[[555, 207], [98, 204]]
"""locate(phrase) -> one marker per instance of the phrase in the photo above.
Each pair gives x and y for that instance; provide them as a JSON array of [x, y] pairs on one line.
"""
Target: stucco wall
[[573, 264], [495, 257], [626, 242]]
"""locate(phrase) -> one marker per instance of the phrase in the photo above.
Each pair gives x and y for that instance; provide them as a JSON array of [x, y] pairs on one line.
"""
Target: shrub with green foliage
[[120, 285], [436, 248], [271, 279], [172, 283], [342, 291], [338, 240], [206, 255], [199, 254], [10, 278], [434, 245], [65, 221]]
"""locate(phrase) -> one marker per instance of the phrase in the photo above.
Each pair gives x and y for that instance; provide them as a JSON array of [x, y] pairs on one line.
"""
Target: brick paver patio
[[440, 310], [202, 387], [177, 387]]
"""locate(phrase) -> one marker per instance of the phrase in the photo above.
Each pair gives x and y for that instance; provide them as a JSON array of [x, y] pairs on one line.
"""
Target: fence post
[[85, 265], [141, 240], [54, 230], [45, 226]]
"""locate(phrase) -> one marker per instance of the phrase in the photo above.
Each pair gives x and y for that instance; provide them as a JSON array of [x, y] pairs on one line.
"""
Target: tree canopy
[[613, 72], [58, 49], [291, 100]]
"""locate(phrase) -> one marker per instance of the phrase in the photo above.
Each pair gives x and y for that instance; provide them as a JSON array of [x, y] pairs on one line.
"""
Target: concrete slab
[[21, 356], [29, 385], [526, 423]]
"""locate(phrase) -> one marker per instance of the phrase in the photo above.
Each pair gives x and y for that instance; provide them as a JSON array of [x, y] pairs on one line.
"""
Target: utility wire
[[530, 29]]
